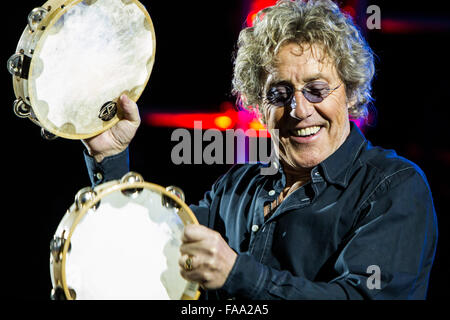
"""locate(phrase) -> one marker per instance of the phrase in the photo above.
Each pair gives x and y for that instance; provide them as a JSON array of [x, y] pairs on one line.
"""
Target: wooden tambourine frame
[[60, 245], [29, 47]]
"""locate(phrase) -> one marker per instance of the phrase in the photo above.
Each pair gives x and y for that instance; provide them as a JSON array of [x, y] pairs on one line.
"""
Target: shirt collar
[[336, 167]]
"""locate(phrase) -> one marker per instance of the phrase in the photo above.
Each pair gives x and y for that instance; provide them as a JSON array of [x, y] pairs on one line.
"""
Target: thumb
[[129, 108]]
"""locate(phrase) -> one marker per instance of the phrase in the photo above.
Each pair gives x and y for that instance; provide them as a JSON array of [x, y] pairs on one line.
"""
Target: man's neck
[[297, 177]]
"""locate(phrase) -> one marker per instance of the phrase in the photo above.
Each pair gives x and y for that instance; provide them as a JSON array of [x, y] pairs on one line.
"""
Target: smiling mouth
[[305, 132]]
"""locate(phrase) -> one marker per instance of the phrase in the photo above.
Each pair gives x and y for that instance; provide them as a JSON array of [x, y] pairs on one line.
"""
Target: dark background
[[195, 44]]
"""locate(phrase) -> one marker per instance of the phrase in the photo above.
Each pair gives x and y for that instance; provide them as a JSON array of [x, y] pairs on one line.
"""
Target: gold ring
[[188, 264]]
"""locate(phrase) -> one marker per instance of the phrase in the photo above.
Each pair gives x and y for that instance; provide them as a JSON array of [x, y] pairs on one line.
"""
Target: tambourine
[[75, 59], [121, 241]]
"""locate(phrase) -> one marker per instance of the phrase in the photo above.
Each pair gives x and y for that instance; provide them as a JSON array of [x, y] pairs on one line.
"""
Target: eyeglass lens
[[281, 94]]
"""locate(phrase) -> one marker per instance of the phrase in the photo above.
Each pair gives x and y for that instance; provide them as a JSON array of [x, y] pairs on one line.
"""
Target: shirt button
[[255, 228], [271, 192]]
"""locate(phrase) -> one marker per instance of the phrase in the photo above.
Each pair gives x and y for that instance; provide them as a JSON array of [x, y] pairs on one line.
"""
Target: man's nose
[[301, 108]]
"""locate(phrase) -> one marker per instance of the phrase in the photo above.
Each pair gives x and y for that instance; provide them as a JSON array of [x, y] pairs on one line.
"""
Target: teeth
[[308, 131]]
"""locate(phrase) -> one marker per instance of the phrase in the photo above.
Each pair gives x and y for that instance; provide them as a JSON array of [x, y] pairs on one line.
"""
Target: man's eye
[[317, 92], [279, 95], [317, 89]]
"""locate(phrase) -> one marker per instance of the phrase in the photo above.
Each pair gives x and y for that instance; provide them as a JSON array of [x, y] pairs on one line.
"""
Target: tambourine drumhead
[[90, 53], [125, 245]]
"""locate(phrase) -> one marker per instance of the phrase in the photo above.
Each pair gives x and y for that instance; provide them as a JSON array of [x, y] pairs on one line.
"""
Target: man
[[341, 219]]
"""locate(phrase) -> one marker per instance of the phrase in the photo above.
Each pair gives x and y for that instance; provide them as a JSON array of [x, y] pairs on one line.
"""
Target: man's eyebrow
[[309, 78], [314, 77]]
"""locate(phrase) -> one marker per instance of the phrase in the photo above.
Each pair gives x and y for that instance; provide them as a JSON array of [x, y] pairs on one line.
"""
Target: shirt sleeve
[[202, 209], [387, 255], [111, 168]]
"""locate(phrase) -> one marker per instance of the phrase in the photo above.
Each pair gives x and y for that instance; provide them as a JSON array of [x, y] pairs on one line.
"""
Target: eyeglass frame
[[291, 100]]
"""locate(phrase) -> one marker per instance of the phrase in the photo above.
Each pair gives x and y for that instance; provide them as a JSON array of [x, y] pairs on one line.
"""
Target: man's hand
[[117, 138], [212, 258]]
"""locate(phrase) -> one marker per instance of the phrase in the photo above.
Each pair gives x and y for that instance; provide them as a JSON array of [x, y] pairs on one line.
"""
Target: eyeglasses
[[282, 93]]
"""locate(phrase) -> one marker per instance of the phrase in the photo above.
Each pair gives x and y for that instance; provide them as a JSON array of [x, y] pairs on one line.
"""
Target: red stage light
[[256, 125], [223, 122], [229, 118], [349, 10], [255, 7], [258, 5], [220, 121]]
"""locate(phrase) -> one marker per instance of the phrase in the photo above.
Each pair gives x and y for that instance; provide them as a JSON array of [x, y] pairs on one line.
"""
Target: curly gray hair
[[311, 22]]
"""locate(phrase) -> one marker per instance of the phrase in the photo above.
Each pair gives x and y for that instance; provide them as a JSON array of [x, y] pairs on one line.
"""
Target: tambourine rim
[[43, 122], [118, 186]]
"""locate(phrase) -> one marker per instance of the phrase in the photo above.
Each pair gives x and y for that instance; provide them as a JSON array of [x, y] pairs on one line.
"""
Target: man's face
[[297, 66]]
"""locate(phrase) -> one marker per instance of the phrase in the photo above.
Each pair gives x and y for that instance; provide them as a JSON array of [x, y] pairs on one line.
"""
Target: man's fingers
[[188, 262], [129, 109], [205, 256], [196, 232], [197, 248], [194, 270]]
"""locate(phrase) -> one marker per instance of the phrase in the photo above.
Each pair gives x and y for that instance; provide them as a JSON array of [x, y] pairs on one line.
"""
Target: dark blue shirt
[[364, 227]]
